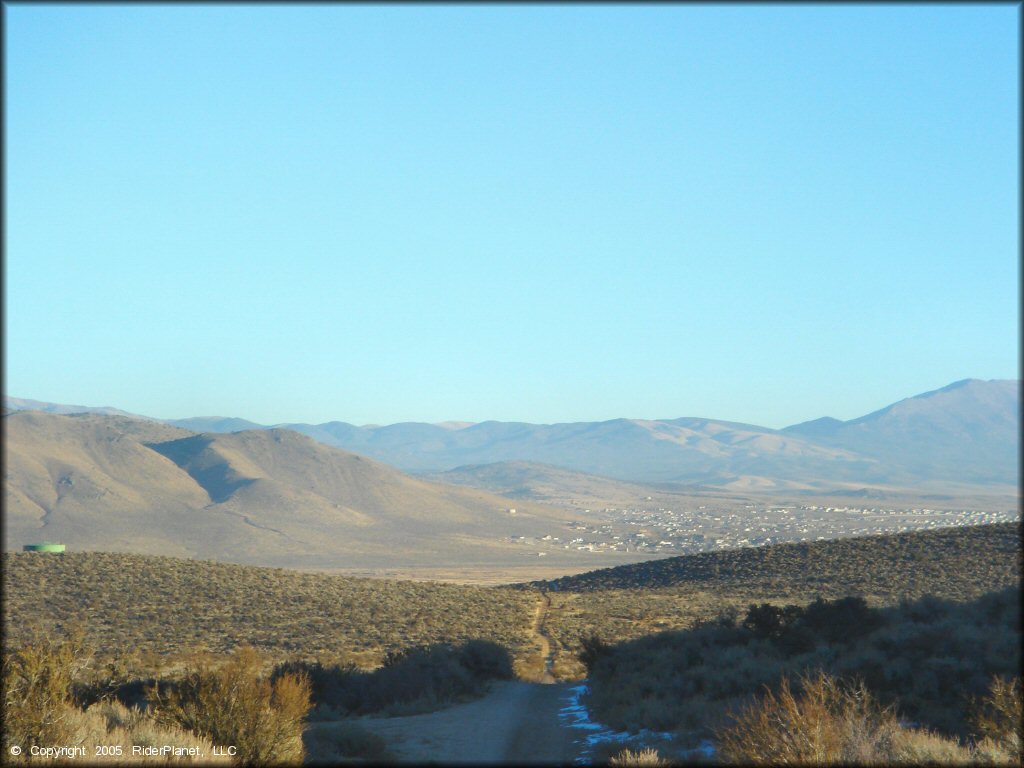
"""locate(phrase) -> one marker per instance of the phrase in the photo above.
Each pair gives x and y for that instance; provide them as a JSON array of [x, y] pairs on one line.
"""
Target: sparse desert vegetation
[[168, 607], [930, 660], [633, 601], [927, 623], [166, 648]]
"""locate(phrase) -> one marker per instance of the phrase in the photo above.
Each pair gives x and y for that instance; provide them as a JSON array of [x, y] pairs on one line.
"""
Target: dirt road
[[541, 637], [516, 722]]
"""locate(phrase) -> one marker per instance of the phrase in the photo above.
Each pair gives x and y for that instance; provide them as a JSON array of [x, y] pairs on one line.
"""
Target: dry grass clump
[[97, 732], [645, 758], [39, 710], [37, 680], [923, 747], [832, 723], [236, 705], [103, 728], [999, 718], [826, 724]]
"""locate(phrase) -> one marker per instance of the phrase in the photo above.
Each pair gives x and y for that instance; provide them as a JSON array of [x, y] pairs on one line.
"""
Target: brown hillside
[[269, 497]]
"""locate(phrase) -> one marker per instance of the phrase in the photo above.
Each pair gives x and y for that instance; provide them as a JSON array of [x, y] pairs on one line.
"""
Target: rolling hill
[[268, 497], [913, 563]]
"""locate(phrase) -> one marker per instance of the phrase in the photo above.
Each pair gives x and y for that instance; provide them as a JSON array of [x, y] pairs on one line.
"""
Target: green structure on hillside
[[44, 546]]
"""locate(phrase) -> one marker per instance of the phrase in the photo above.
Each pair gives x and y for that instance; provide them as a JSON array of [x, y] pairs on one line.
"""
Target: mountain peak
[[826, 425]]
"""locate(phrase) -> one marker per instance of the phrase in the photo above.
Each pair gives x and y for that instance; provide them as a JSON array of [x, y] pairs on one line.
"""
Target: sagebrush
[[237, 705]]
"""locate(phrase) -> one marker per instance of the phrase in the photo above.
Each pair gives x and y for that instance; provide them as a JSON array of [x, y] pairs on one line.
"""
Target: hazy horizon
[[466, 422], [546, 214]]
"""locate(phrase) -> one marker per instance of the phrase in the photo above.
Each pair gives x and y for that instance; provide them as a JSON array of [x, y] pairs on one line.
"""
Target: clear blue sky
[[571, 213]]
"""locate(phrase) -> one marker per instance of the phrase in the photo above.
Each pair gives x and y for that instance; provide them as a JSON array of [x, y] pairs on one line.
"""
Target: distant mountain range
[[965, 433], [21, 404]]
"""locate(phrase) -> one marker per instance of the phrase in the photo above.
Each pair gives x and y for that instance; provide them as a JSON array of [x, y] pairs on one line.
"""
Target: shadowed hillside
[[864, 564], [271, 497], [927, 657], [676, 593]]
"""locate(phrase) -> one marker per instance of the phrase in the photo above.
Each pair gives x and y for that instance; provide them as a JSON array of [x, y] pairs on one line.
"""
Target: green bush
[[840, 621], [767, 621], [329, 684]]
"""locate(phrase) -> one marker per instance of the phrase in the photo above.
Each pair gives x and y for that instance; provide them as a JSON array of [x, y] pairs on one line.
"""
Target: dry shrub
[[645, 758], [829, 723], [109, 678], [115, 728], [530, 668], [37, 682], [133, 727], [39, 710], [922, 747], [999, 718], [236, 705]]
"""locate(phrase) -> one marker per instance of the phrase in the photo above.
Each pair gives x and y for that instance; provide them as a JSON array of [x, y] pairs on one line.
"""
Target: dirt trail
[[517, 722], [543, 638]]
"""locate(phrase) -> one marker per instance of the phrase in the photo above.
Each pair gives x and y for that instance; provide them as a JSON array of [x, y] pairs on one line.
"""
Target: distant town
[[707, 528]]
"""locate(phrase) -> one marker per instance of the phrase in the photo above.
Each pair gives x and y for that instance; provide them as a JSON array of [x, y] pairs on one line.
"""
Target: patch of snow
[[574, 714]]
